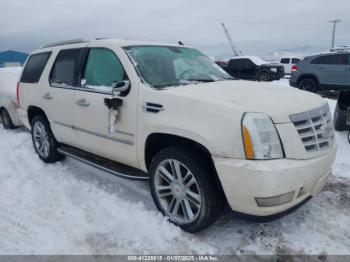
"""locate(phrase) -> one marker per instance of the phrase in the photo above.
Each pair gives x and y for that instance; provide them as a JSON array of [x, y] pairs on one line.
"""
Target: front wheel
[[264, 77], [184, 190], [44, 141]]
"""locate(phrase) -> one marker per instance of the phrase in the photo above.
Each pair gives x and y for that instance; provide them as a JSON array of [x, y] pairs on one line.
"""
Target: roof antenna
[[180, 43]]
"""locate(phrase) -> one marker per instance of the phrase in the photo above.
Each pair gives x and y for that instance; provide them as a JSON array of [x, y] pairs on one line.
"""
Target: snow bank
[[69, 208], [8, 80], [62, 209]]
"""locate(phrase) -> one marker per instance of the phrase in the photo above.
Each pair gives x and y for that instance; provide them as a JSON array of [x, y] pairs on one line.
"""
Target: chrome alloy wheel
[[177, 191], [41, 139]]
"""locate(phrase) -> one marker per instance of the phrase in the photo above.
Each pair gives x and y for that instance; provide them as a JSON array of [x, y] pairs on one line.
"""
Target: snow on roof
[[255, 59]]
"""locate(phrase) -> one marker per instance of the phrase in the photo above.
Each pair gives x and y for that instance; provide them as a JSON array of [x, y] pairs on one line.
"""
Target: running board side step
[[103, 164]]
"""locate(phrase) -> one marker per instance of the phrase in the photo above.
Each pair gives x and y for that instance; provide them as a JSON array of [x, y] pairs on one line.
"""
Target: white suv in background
[[288, 63], [8, 103], [168, 114]]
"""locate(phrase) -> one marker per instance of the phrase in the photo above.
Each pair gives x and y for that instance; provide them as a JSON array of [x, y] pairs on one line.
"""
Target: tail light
[[17, 94], [295, 68]]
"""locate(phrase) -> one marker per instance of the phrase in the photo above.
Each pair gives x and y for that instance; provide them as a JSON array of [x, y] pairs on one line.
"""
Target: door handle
[[82, 102], [321, 68], [47, 96]]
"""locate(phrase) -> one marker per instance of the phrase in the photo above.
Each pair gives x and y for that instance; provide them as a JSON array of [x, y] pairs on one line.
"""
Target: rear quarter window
[[34, 68]]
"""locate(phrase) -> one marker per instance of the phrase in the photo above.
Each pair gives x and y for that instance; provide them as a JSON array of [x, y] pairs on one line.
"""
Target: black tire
[[52, 154], [308, 84], [339, 119], [212, 197], [6, 119], [264, 77]]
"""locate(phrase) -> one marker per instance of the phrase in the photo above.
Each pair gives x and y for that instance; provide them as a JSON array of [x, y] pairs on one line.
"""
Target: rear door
[[57, 97], [347, 71], [330, 69], [102, 131], [234, 67]]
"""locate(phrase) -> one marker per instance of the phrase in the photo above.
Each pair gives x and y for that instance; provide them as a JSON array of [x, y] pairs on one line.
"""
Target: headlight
[[260, 137], [273, 69]]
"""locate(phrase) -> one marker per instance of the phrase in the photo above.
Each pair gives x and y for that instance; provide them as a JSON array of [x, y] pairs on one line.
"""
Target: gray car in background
[[327, 71]]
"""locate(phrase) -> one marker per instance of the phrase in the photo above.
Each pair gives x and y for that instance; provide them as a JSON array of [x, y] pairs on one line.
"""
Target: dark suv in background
[[329, 71], [252, 68]]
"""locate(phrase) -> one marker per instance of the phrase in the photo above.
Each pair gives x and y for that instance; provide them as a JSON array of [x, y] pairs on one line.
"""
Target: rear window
[[330, 60], [34, 67], [285, 61], [65, 69], [295, 60], [234, 63]]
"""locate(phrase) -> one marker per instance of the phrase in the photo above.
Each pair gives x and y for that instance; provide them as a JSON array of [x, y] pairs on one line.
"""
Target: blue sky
[[256, 26]]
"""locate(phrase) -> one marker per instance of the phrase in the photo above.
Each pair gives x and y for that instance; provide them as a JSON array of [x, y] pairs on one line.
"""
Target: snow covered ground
[[69, 208]]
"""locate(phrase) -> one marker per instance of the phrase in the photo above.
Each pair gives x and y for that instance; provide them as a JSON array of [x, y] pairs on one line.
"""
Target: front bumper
[[277, 75], [245, 181]]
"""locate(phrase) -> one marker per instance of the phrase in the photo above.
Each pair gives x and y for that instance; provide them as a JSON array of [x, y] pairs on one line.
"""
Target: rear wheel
[[44, 141], [184, 190], [308, 84], [264, 77], [6, 119]]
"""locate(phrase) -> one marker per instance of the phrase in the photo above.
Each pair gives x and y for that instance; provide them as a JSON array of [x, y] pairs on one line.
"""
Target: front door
[[248, 69], [102, 131]]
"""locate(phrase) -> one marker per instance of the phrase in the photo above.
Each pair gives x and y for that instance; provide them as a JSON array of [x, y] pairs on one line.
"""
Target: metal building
[[12, 58]]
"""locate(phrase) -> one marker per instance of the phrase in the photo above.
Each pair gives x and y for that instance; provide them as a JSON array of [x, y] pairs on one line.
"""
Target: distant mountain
[[299, 51], [295, 51], [306, 49]]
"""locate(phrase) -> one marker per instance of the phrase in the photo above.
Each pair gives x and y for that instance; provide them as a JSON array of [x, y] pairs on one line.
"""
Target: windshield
[[163, 66], [257, 60]]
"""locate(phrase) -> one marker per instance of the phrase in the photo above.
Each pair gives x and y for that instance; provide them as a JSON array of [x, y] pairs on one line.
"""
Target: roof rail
[[68, 42], [341, 49]]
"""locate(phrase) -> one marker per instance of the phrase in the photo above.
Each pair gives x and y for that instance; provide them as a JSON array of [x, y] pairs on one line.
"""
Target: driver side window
[[102, 70]]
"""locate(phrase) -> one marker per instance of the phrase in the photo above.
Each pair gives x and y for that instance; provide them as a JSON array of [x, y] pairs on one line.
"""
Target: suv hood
[[279, 102]]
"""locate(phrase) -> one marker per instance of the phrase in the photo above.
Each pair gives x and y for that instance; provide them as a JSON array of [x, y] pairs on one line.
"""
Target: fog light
[[274, 201]]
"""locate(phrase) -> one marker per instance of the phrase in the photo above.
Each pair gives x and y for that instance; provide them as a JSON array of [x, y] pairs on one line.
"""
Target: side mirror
[[121, 86]]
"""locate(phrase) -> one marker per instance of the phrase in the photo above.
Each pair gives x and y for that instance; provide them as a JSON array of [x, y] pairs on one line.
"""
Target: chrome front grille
[[315, 128]]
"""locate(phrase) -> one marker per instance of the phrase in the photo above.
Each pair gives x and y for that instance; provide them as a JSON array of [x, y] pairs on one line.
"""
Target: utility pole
[[335, 21], [235, 53]]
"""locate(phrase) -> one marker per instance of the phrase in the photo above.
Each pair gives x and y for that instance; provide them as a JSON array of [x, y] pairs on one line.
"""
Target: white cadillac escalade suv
[[168, 114]]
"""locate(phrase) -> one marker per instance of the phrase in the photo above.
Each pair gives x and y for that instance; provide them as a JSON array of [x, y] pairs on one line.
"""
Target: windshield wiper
[[200, 80]]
